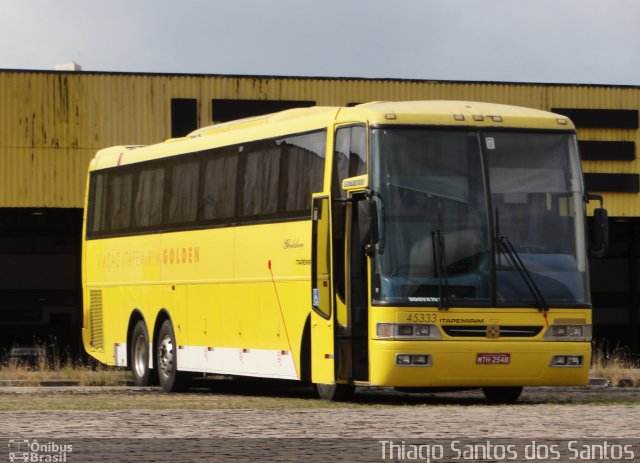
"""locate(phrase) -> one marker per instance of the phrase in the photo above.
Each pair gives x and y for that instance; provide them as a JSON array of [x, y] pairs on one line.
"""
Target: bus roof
[[462, 113], [435, 113]]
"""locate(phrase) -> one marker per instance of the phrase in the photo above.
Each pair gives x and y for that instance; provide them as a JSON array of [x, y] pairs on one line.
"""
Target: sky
[[547, 41]]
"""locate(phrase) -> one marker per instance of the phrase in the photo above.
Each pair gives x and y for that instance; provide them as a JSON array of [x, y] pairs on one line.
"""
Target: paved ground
[[543, 413]]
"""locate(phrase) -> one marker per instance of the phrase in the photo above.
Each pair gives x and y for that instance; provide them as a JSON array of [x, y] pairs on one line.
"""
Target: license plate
[[493, 359]]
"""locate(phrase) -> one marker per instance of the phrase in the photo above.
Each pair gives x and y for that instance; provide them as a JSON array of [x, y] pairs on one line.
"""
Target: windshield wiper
[[507, 248], [440, 258]]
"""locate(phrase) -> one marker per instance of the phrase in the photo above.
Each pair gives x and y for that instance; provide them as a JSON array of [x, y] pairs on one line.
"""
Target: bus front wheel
[[170, 378], [335, 392], [139, 354], [502, 395]]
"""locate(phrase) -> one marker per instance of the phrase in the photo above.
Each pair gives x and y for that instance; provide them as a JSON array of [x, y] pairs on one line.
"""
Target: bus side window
[[182, 194], [261, 180], [303, 157], [120, 186], [97, 204], [350, 156], [220, 191], [147, 201]]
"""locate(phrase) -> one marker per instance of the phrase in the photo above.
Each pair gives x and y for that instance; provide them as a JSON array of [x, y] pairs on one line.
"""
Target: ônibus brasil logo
[[33, 451]]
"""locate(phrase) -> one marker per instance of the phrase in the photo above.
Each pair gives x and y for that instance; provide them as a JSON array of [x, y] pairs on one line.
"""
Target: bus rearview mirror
[[599, 233]]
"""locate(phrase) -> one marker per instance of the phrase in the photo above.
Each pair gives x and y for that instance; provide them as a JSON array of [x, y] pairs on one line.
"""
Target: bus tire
[[139, 355], [502, 395], [335, 392], [170, 378]]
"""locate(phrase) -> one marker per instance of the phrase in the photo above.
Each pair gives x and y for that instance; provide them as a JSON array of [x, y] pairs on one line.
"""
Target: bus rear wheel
[[502, 395], [170, 378], [335, 392], [139, 354]]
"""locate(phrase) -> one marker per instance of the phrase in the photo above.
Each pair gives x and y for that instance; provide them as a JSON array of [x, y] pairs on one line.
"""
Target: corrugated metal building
[[52, 123]]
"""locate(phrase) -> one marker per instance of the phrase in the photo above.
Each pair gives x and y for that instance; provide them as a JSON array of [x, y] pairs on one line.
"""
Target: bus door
[[339, 276], [322, 314], [354, 340], [351, 222], [339, 319]]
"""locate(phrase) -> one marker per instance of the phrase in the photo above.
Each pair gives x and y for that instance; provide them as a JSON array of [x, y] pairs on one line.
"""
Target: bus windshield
[[447, 199]]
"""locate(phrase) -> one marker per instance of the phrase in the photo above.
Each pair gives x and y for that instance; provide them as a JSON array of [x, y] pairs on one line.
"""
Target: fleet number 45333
[[421, 317]]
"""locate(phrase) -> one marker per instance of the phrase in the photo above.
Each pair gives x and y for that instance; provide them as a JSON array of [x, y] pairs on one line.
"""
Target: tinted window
[[97, 204], [183, 192], [120, 201], [304, 169], [350, 156], [220, 180], [250, 183], [261, 179], [148, 197]]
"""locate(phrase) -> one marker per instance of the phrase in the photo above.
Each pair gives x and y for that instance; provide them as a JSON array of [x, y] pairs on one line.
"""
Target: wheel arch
[[134, 318], [163, 315], [305, 351]]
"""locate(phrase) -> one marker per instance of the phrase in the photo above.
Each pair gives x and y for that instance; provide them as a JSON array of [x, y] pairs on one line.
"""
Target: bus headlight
[[575, 331], [423, 330], [569, 333], [407, 331], [384, 330]]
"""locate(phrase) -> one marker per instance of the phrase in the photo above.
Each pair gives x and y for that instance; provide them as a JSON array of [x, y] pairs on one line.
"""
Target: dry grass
[[85, 376], [43, 362], [615, 365]]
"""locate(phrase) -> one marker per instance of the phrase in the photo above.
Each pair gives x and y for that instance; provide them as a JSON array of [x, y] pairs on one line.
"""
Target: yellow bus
[[416, 245]]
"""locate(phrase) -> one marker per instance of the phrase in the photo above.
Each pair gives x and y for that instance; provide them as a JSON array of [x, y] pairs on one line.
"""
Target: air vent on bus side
[[95, 318]]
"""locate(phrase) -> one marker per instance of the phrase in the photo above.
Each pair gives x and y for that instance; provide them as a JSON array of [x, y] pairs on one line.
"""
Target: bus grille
[[506, 331], [95, 318]]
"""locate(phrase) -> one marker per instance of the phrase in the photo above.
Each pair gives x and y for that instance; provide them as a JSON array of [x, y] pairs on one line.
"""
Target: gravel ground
[[543, 413]]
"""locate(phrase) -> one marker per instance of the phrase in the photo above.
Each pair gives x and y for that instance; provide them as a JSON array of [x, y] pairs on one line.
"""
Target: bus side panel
[[236, 302], [206, 327], [237, 297], [195, 265], [272, 262], [238, 329], [283, 313], [122, 275]]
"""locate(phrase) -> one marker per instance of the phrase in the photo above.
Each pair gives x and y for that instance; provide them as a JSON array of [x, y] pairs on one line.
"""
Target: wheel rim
[[166, 356], [141, 356]]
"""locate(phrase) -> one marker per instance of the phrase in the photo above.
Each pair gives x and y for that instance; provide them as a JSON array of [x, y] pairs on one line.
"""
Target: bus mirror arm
[[599, 230], [594, 197], [376, 219]]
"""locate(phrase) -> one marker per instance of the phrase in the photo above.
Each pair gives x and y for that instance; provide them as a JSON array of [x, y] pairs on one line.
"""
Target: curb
[[599, 382], [48, 383], [12, 383], [59, 383]]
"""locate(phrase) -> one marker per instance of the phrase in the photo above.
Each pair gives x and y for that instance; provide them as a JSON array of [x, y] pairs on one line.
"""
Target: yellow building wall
[[52, 123]]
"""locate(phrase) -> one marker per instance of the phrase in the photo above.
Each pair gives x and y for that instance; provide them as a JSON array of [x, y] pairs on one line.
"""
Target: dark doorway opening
[[230, 110], [40, 287], [615, 288]]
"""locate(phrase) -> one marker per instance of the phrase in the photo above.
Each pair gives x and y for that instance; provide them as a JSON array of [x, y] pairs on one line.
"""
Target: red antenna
[[284, 324]]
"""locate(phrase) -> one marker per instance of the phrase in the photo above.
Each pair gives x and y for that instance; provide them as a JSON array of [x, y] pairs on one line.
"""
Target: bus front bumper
[[478, 363]]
